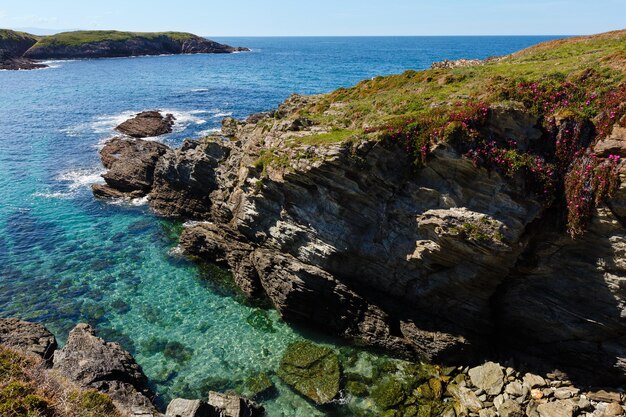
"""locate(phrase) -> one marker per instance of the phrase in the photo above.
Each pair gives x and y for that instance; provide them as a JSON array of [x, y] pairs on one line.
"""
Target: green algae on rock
[[312, 370]]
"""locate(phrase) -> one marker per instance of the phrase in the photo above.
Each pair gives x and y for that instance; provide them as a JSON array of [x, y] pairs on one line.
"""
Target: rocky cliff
[[106, 44], [451, 214], [12, 46]]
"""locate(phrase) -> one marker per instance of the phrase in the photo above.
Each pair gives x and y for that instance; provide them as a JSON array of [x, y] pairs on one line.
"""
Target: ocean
[[66, 257]]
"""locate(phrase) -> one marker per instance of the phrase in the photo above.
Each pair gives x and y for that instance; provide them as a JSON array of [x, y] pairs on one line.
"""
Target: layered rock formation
[[349, 238], [29, 338]]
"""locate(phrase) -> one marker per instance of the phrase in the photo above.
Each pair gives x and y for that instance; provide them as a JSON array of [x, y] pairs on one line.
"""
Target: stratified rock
[[311, 370], [488, 377], [559, 408], [234, 406], [185, 177], [28, 338], [93, 363], [147, 124], [179, 407], [131, 164]]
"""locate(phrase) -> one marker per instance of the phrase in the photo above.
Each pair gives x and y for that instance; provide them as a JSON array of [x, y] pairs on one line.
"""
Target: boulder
[[229, 405], [28, 338], [465, 398], [488, 377], [131, 164], [93, 363], [179, 407], [510, 408], [147, 124], [559, 408], [311, 370]]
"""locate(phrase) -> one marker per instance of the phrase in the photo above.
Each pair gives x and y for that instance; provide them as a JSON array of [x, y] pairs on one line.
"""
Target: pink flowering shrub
[[589, 181]]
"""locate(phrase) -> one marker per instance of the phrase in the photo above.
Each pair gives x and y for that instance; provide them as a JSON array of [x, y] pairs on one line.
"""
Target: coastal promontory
[[18, 49]]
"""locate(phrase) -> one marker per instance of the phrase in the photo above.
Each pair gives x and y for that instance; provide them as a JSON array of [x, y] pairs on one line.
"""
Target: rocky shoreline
[[487, 390]]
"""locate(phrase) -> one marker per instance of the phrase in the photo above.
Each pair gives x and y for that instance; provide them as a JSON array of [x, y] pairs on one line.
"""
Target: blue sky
[[323, 17]]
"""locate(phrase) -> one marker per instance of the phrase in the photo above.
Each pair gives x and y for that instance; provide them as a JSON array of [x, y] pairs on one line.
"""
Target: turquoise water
[[66, 257]]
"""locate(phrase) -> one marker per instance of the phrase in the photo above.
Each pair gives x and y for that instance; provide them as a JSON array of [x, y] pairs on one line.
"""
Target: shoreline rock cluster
[[487, 390], [92, 363]]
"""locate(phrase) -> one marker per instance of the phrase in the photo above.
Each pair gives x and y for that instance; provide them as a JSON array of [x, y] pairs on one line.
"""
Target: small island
[[19, 50]]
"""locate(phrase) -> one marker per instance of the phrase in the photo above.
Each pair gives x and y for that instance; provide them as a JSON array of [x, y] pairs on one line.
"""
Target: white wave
[[226, 114], [134, 202], [54, 194], [192, 223], [81, 178], [176, 251], [199, 90], [209, 132]]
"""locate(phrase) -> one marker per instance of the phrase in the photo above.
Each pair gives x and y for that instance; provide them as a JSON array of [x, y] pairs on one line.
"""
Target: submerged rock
[[28, 338], [147, 124], [311, 370], [93, 363]]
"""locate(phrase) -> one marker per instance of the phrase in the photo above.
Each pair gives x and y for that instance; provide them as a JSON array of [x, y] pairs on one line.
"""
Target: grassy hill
[[92, 36]]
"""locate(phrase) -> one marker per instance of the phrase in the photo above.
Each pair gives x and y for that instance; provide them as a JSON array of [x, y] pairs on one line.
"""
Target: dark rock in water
[[131, 164], [234, 406], [311, 370], [147, 124], [25, 337], [12, 63], [93, 363]]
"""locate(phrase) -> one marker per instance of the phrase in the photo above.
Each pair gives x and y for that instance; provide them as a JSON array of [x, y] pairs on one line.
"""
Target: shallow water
[[66, 257]]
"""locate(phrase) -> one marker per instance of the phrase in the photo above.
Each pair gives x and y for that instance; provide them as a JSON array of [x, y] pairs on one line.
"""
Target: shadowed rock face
[[434, 262], [93, 363]]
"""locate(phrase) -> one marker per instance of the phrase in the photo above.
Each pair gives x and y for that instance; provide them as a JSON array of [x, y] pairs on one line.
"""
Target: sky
[[322, 17]]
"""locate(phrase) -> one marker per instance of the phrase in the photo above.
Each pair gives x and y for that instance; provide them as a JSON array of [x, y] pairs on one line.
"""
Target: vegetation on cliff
[[576, 87], [82, 37], [28, 389]]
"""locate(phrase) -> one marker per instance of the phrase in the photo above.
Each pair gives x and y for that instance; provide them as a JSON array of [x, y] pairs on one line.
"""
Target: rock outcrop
[[12, 46], [349, 238], [147, 124], [28, 338], [93, 363], [131, 165]]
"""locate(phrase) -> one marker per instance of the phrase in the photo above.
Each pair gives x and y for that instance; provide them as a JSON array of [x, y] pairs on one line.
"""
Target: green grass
[[92, 36], [12, 35], [334, 136], [380, 99]]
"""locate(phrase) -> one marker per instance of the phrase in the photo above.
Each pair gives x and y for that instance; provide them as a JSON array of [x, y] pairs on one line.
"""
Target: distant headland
[[20, 50]]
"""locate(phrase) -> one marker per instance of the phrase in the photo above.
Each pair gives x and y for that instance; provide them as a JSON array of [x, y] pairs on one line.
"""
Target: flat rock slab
[[190, 408], [147, 124], [234, 406], [488, 377], [29, 338]]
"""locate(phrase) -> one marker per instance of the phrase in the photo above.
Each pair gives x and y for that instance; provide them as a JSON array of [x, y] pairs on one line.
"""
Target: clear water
[[66, 257]]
